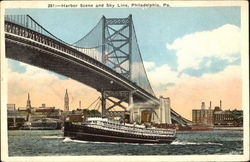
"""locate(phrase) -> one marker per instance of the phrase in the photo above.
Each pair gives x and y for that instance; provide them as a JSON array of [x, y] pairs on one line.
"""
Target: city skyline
[[182, 53], [29, 104]]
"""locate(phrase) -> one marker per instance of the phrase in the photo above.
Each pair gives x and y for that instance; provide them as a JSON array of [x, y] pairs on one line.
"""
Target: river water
[[52, 143]]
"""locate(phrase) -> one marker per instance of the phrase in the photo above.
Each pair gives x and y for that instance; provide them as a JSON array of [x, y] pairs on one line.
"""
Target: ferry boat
[[107, 130]]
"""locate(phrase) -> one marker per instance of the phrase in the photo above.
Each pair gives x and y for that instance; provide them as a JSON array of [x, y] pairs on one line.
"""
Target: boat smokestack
[[220, 104], [210, 105]]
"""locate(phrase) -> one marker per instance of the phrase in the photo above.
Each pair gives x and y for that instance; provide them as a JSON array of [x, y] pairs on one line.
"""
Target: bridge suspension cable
[[28, 22], [113, 42]]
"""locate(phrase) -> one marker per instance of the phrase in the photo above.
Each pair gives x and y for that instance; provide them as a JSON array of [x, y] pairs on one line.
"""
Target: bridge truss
[[113, 42]]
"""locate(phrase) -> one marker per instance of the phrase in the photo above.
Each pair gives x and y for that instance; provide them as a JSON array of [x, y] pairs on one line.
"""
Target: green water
[[52, 142]]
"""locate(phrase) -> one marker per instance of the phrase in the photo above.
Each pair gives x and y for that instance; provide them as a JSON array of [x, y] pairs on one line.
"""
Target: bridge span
[[107, 65]]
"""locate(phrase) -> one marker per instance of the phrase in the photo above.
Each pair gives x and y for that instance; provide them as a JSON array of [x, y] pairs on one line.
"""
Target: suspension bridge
[[107, 59]]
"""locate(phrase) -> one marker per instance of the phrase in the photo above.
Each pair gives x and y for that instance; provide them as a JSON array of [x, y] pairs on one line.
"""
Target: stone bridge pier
[[164, 111], [149, 112]]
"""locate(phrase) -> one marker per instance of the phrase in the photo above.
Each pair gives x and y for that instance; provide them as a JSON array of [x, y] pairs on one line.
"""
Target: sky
[[191, 54]]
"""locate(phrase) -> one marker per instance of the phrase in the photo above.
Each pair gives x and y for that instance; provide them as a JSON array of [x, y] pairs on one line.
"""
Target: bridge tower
[[117, 44], [116, 53]]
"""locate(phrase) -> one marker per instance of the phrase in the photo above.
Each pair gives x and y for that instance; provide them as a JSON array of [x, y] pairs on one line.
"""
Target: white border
[[245, 86]]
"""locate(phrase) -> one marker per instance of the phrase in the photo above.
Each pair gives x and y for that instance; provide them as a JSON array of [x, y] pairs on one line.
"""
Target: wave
[[52, 137], [67, 139], [235, 152], [194, 143]]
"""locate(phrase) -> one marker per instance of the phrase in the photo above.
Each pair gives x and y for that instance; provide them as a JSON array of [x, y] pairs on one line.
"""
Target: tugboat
[[107, 130]]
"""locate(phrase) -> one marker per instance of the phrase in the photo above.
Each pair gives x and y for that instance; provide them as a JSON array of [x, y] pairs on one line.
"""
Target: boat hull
[[85, 133]]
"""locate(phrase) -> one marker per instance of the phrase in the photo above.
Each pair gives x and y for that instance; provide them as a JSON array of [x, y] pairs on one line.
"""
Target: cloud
[[189, 92], [148, 65], [222, 42], [162, 76]]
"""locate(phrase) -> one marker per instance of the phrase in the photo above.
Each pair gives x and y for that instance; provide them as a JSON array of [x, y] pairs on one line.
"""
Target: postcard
[[124, 81]]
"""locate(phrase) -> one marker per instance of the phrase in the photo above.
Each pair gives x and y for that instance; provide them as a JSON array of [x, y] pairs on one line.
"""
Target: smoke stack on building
[[210, 105], [220, 104]]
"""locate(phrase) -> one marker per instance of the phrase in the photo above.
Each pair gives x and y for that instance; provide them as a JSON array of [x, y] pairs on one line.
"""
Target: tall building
[[28, 105], [66, 101], [203, 116]]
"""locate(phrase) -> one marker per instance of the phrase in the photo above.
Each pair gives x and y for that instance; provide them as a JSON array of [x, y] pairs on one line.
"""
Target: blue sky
[[155, 27]]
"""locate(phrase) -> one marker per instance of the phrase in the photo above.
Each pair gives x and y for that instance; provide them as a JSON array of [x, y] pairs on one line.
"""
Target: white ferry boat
[[106, 130]]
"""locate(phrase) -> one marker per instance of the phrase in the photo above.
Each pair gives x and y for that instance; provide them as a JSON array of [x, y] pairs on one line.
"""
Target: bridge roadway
[[28, 46]]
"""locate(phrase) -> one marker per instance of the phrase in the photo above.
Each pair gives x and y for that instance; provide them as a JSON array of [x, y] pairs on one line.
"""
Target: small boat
[[42, 124], [107, 130]]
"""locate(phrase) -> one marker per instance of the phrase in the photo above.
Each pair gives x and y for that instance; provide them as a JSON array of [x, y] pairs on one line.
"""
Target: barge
[[107, 130]]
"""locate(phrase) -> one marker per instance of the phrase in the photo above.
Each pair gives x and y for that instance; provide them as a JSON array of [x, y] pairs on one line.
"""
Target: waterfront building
[[22, 109], [15, 118], [11, 107], [43, 108], [202, 116], [45, 112], [228, 117], [66, 102], [217, 116]]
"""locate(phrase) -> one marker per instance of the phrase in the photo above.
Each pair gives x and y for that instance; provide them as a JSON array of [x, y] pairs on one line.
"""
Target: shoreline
[[228, 128], [213, 129]]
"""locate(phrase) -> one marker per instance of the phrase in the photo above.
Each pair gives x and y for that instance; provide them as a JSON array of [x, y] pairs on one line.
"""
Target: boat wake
[[52, 137], [67, 139], [194, 143]]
